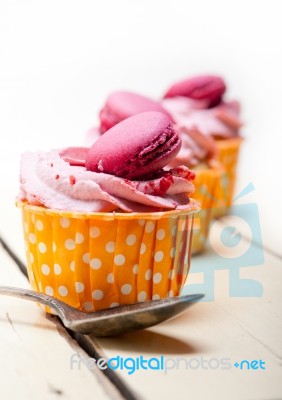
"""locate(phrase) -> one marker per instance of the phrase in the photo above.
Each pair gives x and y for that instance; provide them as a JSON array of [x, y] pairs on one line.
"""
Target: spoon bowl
[[111, 321]]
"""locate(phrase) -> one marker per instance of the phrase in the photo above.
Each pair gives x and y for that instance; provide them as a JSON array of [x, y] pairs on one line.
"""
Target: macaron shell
[[208, 87], [135, 147], [122, 104]]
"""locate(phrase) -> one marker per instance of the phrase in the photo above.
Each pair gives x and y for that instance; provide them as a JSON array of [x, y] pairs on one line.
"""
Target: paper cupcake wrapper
[[101, 260], [228, 154], [206, 182]]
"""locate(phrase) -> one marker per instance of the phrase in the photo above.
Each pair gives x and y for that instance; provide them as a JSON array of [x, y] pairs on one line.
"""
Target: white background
[[59, 59]]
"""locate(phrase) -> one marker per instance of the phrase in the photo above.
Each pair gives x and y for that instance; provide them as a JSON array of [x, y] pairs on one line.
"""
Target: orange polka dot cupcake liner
[[228, 155], [206, 183], [94, 261]]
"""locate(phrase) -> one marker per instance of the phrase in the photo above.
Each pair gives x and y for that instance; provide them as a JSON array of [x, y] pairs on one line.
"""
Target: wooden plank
[[231, 328], [35, 360]]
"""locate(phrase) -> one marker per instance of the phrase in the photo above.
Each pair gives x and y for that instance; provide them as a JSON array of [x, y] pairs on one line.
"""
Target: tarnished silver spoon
[[112, 321]]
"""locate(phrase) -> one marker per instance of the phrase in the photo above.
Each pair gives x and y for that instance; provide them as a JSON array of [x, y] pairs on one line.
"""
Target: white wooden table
[[58, 61], [238, 320]]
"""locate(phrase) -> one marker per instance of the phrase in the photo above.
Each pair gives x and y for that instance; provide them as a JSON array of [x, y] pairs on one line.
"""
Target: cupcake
[[108, 225], [198, 104]]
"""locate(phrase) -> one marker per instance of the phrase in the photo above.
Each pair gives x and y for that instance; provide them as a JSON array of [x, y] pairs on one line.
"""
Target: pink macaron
[[121, 105], [136, 147], [204, 87]]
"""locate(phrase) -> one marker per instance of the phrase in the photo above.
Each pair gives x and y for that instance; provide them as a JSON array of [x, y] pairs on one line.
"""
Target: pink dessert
[[135, 147], [204, 87], [197, 104], [103, 178]]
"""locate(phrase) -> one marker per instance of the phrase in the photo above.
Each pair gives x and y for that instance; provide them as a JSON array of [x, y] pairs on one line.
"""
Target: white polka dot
[[88, 306], [150, 226], [64, 222], [110, 247], [157, 277], [54, 247], [63, 291], [171, 274], [57, 269], [94, 232], [131, 240], [45, 269], [42, 247], [95, 263], [142, 296], [79, 287], [170, 293], [69, 244], [110, 278], [181, 246], [79, 238], [148, 274], [126, 288], [31, 258], [135, 269], [172, 252], [72, 266], [119, 259], [159, 256], [173, 230], [143, 248], [161, 234], [97, 294], [86, 258], [114, 304], [39, 225], [141, 222], [156, 297], [186, 259], [32, 238], [49, 291]]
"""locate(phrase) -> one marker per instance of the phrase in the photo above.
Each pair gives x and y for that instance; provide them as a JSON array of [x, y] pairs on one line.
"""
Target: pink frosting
[[221, 121], [59, 180], [199, 126]]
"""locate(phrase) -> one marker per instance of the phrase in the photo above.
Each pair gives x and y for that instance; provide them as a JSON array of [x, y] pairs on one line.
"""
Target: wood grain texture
[[35, 353]]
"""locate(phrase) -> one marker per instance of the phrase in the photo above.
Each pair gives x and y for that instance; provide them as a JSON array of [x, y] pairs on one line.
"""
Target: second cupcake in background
[[198, 152], [198, 106]]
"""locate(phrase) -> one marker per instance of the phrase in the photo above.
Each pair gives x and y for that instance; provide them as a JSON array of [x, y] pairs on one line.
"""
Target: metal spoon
[[111, 321]]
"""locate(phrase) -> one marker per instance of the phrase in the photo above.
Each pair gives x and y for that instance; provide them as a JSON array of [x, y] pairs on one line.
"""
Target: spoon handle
[[56, 305]]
